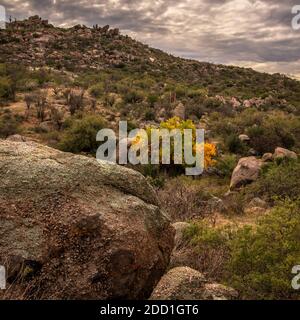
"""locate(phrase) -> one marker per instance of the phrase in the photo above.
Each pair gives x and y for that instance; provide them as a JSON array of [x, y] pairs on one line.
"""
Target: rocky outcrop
[[75, 228], [184, 283], [246, 171], [281, 153]]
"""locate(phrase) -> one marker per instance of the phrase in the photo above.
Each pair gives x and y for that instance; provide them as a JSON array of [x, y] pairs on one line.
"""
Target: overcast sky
[[250, 33]]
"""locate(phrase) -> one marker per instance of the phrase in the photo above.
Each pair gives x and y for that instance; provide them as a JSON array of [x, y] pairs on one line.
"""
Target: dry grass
[[186, 199]]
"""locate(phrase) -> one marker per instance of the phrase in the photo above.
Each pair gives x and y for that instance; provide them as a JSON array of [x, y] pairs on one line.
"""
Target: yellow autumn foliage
[[210, 150]]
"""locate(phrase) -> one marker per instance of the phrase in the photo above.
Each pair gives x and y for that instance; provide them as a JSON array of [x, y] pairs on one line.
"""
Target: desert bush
[[211, 245], [29, 100], [278, 180], [234, 204], [267, 130], [266, 138], [42, 76], [174, 168], [76, 101], [109, 99], [152, 99], [255, 260], [97, 90], [57, 117], [80, 135], [223, 127], [262, 257], [194, 108], [180, 91], [234, 145], [5, 87], [9, 125], [197, 93], [184, 200], [41, 105], [133, 96], [12, 76], [226, 164], [150, 115]]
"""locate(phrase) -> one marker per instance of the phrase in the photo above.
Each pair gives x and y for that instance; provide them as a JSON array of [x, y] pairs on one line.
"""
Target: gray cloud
[[252, 33]]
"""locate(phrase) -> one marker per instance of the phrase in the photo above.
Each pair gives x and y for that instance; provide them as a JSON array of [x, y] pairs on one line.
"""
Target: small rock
[[184, 283], [256, 206], [16, 138], [215, 204], [267, 157], [258, 202], [46, 126], [252, 152], [244, 138], [281, 153], [216, 291]]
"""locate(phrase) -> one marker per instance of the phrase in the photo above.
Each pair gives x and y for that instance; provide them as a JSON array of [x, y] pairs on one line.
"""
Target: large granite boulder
[[73, 228]]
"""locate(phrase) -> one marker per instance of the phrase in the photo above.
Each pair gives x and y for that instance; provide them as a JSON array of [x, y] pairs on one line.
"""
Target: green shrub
[[267, 137], [81, 135], [150, 115], [278, 180], [226, 165], [9, 125], [255, 260], [180, 91], [234, 144], [262, 258], [97, 90], [133, 96], [210, 246], [152, 99], [5, 87], [109, 100]]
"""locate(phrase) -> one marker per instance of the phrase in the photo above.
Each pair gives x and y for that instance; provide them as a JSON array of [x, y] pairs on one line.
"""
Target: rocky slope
[[36, 43]]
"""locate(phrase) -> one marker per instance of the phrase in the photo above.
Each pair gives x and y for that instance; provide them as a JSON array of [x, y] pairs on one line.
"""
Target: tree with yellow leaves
[[176, 123]]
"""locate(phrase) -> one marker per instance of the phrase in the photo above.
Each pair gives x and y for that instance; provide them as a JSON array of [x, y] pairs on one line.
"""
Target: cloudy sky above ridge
[[249, 33]]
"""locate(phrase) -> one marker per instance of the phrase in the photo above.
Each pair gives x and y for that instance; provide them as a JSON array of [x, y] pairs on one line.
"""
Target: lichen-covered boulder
[[71, 227]]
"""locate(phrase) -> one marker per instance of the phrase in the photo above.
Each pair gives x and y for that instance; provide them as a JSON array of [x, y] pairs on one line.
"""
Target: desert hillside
[[76, 228]]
